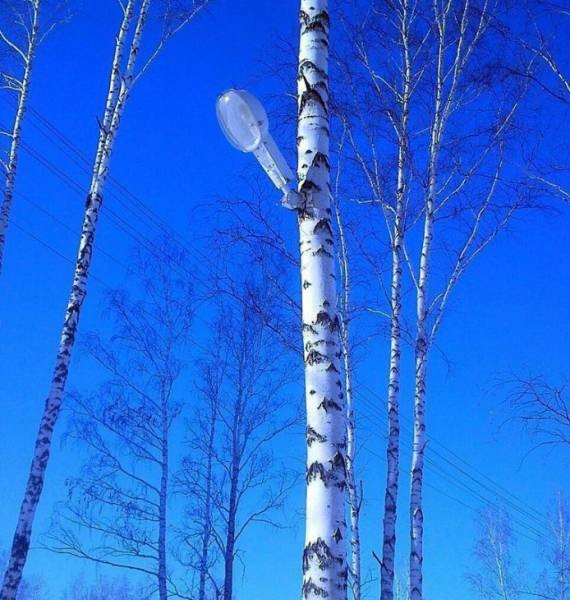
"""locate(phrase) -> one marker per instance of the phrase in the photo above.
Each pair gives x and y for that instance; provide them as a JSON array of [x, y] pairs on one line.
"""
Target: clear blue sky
[[511, 312]]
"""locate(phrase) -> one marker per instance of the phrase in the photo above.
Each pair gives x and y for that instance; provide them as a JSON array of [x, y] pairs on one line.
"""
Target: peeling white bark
[[34, 486], [324, 557], [22, 88]]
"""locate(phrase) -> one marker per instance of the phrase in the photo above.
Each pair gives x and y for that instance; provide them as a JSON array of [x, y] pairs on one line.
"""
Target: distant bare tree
[[495, 575], [117, 588], [548, 25], [555, 582], [231, 471], [542, 409], [251, 228], [197, 481], [121, 495]]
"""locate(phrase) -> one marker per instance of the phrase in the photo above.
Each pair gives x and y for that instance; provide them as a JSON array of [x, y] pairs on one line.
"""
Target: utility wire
[[461, 486], [488, 483]]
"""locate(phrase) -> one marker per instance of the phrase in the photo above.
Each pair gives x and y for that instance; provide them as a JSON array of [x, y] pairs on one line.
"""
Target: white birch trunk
[[23, 89], [393, 408], [354, 498], [324, 556], [34, 486], [422, 307], [114, 83], [393, 445], [421, 356]]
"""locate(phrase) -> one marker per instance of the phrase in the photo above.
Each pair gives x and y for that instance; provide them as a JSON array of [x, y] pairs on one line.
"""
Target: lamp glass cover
[[242, 119]]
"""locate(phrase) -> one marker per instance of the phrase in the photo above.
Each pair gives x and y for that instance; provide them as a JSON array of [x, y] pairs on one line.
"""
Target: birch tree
[[32, 588], [497, 576], [556, 581], [462, 32], [374, 92], [121, 495], [324, 557], [21, 47], [125, 72], [231, 476], [197, 481], [433, 98], [345, 316]]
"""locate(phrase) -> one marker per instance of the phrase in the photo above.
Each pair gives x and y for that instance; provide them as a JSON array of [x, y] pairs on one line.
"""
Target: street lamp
[[244, 122]]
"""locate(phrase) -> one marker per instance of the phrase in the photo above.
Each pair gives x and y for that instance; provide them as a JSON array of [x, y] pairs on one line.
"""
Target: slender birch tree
[[473, 192], [23, 51], [454, 57], [324, 557], [497, 575], [556, 583], [121, 495], [124, 74], [389, 25], [31, 588], [197, 481], [240, 484], [345, 315]]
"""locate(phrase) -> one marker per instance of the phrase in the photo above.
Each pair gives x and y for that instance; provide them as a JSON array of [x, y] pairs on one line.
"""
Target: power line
[[119, 222], [102, 282], [461, 502], [79, 158], [510, 497], [438, 470]]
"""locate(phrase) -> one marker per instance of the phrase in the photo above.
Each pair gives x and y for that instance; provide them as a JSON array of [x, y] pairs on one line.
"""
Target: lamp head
[[243, 119]]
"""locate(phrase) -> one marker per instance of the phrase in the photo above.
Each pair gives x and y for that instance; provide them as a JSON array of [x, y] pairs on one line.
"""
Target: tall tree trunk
[[231, 531], [324, 556], [34, 486], [421, 356], [393, 445], [162, 504], [354, 498], [421, 349], [23, 94], [207, 531], [393, 408]]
